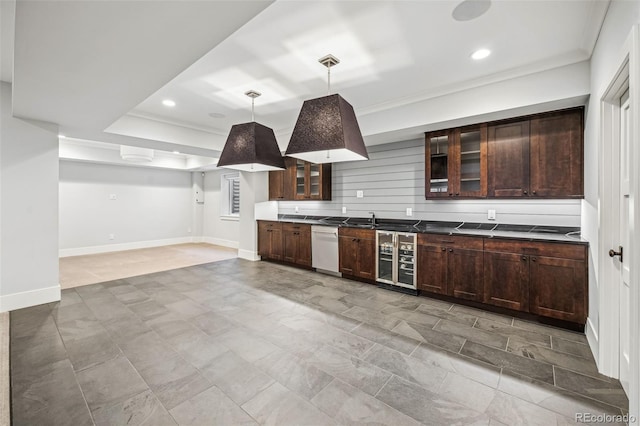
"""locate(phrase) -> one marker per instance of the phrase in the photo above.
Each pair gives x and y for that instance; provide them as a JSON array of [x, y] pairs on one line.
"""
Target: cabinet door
[[506, 280], [471, 157], [301, 188], [556, 155], [465, 273], [275, 241], [264, 240], [432, 269], [304, 246], [508, 159], [348, 249], [290, 240], [366, 258], [439, 166], [558, 288], [276, 184]]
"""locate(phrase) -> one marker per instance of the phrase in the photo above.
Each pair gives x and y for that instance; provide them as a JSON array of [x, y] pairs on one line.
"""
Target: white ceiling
[[91, 66]]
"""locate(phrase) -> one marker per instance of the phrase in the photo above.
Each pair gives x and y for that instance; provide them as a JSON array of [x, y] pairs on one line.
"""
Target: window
[[230, 195]]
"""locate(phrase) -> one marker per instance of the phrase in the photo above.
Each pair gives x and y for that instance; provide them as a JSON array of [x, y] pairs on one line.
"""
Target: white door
[[621, 261]]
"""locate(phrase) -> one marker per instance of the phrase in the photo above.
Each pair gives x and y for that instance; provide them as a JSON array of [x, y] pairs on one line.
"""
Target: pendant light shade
[[251, 147], [327, 130]]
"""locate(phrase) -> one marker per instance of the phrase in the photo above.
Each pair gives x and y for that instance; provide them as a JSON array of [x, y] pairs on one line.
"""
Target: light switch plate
[[491, 214], [409, 211], [344, 209], [112, 196], [297, 209], [359, 194]]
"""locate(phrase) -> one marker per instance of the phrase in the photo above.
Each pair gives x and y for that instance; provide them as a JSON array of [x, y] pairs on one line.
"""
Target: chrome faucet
[[373, 218]]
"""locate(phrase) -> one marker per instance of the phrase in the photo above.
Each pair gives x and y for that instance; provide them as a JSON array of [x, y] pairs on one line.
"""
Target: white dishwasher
[[324, 249]]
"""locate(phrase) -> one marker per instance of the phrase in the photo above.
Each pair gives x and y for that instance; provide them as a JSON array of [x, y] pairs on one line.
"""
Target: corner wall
[[28, 209]]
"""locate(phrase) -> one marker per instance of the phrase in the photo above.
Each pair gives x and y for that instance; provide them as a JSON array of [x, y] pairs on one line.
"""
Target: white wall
[[393, 180], [152, 207], [217, 229], [28, 209], [621, 16]]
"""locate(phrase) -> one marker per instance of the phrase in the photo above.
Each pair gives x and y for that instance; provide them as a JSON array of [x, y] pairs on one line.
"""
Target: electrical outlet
[[112, 236], [491, 214], [344, 209], [409, 211], [360, 194], [297, 209], [112, 196]]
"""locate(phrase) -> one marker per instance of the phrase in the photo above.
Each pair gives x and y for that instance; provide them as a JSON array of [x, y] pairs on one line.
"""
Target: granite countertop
[[487, 230]]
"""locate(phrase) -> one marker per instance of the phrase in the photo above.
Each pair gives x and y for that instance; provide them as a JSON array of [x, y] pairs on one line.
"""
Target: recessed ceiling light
[[168, 103], [481, 54], [61, 136], [470, 9], [176, 152], [216, 115]]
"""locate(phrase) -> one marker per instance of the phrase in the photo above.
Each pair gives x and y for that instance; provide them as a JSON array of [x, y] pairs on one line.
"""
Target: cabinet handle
[[450, 250], [525, 192], [451, 194], [444, 249], [533, 259], [524, 257], [533, 192], [353, 239], [457, 193]]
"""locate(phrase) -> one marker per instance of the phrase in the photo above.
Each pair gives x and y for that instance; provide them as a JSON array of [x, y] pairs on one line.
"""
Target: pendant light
[[327, 130], [251, 147]]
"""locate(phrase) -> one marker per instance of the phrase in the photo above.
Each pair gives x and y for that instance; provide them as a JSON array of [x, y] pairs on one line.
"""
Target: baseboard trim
[[592, 339], [220, 242], [25, 299], [80, 251], [248, 255]]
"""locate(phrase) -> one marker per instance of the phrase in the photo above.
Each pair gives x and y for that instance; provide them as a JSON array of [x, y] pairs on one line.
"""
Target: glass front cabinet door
[[456, 163]]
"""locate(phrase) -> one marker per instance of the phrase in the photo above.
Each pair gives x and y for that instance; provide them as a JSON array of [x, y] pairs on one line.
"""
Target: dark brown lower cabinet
[[357, 250], [297, 243], [558, 288], [451, 265], [270, 240], [547, 279], [506, 280]]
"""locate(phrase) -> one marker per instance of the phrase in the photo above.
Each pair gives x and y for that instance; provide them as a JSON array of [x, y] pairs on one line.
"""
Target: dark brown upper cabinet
[[538, 157], [456, 163], [508, 153], [280, 183], [556, 155], [312, 181], [300, 181]]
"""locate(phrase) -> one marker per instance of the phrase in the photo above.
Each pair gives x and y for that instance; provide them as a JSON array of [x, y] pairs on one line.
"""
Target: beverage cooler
[[396, 259]]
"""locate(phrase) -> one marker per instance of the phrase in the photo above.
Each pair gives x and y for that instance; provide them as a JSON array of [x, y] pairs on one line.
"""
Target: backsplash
[[393, 180]]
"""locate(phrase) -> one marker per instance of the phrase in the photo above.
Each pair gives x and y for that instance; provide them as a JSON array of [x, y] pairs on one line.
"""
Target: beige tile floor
[[95, 268]]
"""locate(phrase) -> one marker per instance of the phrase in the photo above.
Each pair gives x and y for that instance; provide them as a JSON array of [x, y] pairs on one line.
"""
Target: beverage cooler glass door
[[384, 258], [406, 264]]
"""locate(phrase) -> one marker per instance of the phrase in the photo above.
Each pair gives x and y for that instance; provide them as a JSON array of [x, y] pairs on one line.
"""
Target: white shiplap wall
[[393, 180]]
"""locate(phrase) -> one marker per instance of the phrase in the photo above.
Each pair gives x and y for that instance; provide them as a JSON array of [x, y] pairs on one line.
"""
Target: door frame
[[627, 74]]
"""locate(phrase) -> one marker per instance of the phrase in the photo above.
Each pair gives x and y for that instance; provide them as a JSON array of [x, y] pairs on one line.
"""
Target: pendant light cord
[[328, 80], [252, 102]]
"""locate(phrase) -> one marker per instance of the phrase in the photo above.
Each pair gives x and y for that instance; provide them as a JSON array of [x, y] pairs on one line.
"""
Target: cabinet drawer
[[293, 227], [561, 250], [357, 233], [472, 243], [268, 224]]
